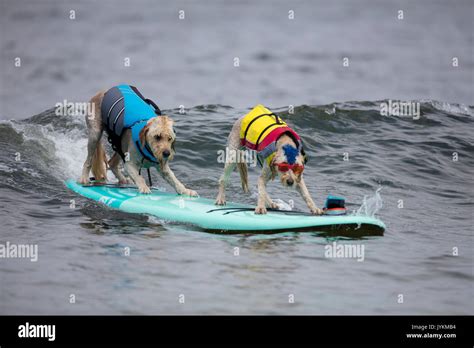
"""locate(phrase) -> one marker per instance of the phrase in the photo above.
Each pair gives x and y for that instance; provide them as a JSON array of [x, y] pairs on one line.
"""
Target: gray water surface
[[282, 62], [191, 61]]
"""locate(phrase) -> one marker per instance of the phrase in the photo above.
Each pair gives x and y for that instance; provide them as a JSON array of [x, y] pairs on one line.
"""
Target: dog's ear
[[273, 169], [274, 173], [305, 157], [173, 150], [143, 134]]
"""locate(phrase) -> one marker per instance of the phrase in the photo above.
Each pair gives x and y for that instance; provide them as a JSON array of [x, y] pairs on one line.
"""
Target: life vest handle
[[152, 103], [148, 101], [277, 119]]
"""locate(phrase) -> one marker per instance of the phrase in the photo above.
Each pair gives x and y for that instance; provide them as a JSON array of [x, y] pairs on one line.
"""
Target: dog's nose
[[166, 154], [290, 182]]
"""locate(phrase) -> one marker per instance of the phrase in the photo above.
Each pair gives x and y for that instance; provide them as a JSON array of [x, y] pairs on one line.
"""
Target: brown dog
[[138, 135]]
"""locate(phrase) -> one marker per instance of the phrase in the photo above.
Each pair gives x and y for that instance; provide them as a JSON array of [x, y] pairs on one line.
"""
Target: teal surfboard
[[233, 217]]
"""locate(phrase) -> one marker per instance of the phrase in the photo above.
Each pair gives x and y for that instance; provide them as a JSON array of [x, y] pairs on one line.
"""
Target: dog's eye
[[158, 137], [170, 138]]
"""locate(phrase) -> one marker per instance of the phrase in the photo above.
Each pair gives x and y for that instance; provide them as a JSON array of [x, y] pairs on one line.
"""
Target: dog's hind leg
[[244, 176], [228, 169], [96, 159], [233, 145], [94, 138], [99, 162], [114, 163], [95, 129]]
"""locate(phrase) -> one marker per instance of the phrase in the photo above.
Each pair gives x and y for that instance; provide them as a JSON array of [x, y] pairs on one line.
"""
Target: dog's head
[[160, 137], [288, 163]]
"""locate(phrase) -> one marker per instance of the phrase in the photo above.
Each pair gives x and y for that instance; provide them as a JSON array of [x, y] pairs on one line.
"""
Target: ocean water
[[414, 174]]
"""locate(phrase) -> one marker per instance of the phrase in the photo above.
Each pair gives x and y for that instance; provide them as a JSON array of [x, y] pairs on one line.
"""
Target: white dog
[[278, 147]]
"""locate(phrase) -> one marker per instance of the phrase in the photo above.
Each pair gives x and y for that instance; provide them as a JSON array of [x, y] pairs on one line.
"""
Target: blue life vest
[[124, 107]]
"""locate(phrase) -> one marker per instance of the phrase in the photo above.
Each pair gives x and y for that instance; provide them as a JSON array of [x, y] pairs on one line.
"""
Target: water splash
[[282, 205], [67, 147], [370, 205]]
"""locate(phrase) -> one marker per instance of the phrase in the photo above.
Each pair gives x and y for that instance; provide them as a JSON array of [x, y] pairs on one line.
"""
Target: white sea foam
[[452, 108], [6, 169], [282, 205], [32, 172], [69, 146], [71, 150]]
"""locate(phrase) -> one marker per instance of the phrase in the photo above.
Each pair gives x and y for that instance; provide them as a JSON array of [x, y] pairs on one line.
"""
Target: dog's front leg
[[262, 192], [132, 171], [269, 202], [171, 179], [303, 190]]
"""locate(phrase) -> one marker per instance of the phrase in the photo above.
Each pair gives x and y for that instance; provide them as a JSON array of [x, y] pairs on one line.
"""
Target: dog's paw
[[317, 211], [83, 180], [260, 210], [220, 201], [144, 189], [191, 193], [273, 205]]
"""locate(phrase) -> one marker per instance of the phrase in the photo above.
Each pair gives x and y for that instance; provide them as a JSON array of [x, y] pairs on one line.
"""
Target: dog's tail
[[244, 176], [99, 162]]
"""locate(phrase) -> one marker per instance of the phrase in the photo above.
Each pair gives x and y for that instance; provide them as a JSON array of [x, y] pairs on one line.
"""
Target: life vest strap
[[263, 132], [110, 110], [152, 103], [277, 119], [149, 174], [143, 153]]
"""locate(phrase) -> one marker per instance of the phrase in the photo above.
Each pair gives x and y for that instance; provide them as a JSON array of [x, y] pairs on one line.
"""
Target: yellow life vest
[[261, 128]]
